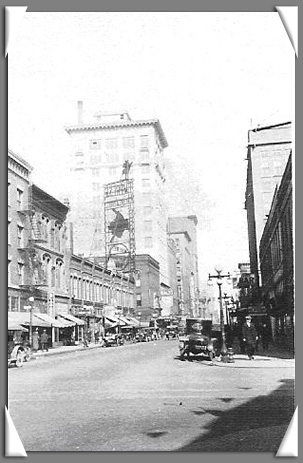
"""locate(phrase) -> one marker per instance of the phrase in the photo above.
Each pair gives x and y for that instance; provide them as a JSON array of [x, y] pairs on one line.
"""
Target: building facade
[[169, 294], [99, 150], [183, 231], [277, 261], [267, 154], [48, 249], [18, 231], [148, 302]]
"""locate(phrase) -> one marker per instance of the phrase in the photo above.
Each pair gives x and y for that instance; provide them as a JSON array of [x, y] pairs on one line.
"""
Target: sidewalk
[[274, 357], [64, 350]]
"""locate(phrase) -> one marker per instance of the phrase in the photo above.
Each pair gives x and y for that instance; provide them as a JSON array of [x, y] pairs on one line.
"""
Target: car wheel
[[182, 353], [19, 359]]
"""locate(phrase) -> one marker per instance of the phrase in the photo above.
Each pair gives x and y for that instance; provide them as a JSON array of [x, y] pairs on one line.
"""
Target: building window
[[148, 242], [265, 171], [52, 237], [58, 227], [146, 182], [112, 171], [20, 236], [96, 186], [95, 172], [58, 272], [9, 232], [14, 303], [112, 158], [19, 199], [277, 167], [145, 169], [9, 271], [265, 158], [128, 142], [45, 267], [144, 141], [95, 159], [53, 277], [144, 156], [139, 300], [44, 226], [129, 157], [111, 143], [147, 210], [266, 185], [21, 273], [148, 225], [146, 196], [95, 144]]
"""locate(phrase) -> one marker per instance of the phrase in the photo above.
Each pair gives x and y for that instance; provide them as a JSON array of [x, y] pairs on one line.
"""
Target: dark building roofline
[[44, 196], [258, 129]]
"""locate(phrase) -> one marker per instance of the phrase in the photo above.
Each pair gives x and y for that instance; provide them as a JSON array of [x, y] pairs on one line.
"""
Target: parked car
[[18, 349], [197, 339], [111, 340]]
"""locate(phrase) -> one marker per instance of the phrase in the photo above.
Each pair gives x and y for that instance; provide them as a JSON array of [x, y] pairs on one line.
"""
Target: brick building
[[277, 261]]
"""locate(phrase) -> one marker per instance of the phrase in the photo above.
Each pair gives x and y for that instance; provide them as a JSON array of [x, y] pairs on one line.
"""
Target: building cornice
[[20, 160], [120, 125]]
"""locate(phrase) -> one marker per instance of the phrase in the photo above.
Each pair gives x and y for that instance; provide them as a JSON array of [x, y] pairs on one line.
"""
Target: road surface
[[141, 397]]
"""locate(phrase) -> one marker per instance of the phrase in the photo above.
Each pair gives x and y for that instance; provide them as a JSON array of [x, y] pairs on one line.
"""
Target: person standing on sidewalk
[[44, 341], [265, 336], [249, 336], [35, 340]]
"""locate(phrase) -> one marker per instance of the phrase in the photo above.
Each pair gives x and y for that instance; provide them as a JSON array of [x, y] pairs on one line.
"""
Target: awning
[[125, 321], [52, 321], [110, 323], [72, 318], [23, 318], [113, 319], [13, 326], [133, 321]]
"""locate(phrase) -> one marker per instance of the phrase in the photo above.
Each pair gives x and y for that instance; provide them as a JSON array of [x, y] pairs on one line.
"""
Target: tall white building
[[98, 151]]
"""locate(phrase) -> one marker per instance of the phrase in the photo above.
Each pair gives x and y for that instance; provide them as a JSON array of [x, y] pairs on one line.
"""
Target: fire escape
[[34, 275]]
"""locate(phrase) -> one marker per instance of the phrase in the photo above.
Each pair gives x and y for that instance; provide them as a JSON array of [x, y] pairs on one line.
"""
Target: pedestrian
[[35, 340], [44, 341], [249, 336], [265, 336]]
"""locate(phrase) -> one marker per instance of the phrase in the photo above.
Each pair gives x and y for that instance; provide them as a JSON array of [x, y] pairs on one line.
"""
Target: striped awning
[[13, 326], [23, 318], [52, 321], [71, 319]]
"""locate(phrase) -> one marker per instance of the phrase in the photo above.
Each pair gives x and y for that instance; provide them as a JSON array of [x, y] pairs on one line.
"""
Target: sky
[[208, 78]]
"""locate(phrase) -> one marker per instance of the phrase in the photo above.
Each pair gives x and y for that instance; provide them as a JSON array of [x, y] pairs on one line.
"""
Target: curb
[[258, 362], [62, 352]]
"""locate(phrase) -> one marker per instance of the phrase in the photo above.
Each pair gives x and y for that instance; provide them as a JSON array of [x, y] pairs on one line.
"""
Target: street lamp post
[[219, 277], [31, 300], [226, 299]]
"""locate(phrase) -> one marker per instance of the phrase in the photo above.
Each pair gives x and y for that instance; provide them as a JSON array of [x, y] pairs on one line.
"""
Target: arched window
[[46, 258], [58, 228], [44, 226], [59, 272]]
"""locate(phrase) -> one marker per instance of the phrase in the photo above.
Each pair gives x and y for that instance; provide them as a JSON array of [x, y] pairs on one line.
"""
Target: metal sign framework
[[119, 224]]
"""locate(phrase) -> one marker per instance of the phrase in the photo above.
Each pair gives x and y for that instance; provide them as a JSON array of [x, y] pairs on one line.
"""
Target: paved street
[[143, 398]]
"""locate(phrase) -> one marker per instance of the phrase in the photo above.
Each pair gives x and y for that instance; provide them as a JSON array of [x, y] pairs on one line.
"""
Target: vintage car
[[18, 350], [111, 340], [197, 339]]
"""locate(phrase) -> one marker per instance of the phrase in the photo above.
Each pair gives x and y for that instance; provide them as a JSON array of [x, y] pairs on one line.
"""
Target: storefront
[[73, 333]]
